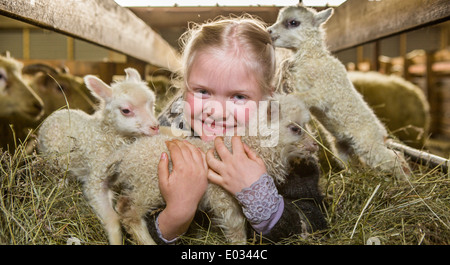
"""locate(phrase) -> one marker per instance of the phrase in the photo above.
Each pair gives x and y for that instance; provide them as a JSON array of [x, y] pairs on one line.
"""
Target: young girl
[[228, 67]]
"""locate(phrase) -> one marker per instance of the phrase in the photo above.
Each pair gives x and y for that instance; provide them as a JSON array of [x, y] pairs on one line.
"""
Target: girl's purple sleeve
[[262, 204], [160, 236]]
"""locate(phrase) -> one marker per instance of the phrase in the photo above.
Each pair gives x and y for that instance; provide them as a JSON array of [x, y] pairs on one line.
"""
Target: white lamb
[[328, 93], [136, 173], [82, 143]]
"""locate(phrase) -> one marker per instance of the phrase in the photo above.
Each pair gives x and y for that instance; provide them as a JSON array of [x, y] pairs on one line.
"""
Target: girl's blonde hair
[[244, 35]]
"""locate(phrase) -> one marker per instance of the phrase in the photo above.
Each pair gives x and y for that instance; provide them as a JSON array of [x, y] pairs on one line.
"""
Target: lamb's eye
[[295, 129], [293, 23], [3, 76], [3, 73], [126, 111]]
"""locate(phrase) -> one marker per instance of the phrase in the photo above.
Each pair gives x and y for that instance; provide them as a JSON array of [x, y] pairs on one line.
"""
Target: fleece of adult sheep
[[82, 143], [409, 118], [137, 165], [19, 104], [322, 81], [58, 88]]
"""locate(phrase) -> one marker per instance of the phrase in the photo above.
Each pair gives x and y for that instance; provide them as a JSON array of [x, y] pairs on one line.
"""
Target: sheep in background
[[399, 104], [58, 88], [82, 143], [322, 81], [19, 104], [136, 171]]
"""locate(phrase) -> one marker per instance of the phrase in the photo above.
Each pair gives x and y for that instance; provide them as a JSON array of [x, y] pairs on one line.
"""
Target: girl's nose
[[214, 109]]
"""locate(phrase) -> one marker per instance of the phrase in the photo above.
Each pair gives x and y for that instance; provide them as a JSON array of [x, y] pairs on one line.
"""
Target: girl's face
[[221, 95]]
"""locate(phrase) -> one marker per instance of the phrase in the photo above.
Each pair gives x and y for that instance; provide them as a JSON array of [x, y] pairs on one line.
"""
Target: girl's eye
[[201, 93], [239, 97]]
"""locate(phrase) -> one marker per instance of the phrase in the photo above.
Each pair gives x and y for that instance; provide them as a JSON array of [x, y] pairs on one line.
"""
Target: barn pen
[[39, 205]]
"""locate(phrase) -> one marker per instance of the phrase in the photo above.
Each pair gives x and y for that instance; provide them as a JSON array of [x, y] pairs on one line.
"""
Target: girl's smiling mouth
[[217, 127]]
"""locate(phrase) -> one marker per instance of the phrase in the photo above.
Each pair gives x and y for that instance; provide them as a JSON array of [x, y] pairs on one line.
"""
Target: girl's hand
[[182, 188], [238, 169]]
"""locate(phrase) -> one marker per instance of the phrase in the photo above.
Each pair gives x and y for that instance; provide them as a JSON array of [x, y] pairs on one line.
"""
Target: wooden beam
[[171, 22], [102, 22], [356, 22], [421, 157], [160, 18]]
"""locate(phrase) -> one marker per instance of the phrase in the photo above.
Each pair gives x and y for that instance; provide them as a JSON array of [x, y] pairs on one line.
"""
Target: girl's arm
[[302, 200], [181, 189]]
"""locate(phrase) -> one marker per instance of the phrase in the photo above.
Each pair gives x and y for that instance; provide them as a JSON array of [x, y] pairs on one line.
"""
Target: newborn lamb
[[136, 172], [326, 90], [82, 143]]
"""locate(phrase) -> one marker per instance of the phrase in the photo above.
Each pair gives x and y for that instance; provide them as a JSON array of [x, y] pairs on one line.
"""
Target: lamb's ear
[[322, 16], [132, 74], [98, 88]]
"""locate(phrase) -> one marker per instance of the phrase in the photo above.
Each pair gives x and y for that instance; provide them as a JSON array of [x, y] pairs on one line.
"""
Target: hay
[[397, 213], [39, 205]]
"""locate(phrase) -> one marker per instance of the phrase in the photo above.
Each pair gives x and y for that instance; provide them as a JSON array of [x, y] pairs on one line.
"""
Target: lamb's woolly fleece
[[81, 143], [137, 167], [322, 82]]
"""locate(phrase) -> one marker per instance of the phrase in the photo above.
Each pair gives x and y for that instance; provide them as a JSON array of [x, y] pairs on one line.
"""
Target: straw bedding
[[39, 205]]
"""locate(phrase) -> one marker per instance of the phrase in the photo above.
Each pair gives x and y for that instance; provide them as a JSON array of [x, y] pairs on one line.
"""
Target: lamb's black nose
[[270, 31]]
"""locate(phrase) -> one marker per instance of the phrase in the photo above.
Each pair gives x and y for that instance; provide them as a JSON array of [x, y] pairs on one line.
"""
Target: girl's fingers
[[196, 153], [213, 162], [205, 164], [175, 153], [221, 149], [185, 150], [215, 178], [252, 155], [163, 169], [237, 145]]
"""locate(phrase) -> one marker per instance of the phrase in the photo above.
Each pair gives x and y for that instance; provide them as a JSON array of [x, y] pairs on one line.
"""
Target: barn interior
[[416, 51], [408, 39]]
